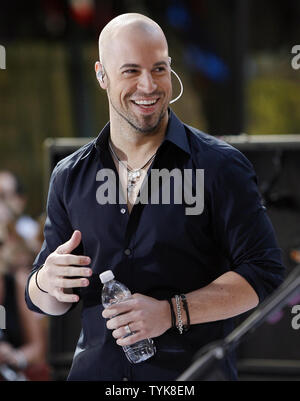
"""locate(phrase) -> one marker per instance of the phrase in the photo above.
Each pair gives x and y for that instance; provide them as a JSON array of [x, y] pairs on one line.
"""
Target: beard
[[146, 124], [147, 127]]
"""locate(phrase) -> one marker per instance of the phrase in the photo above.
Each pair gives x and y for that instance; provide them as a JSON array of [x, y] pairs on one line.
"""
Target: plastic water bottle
[[114, 292]]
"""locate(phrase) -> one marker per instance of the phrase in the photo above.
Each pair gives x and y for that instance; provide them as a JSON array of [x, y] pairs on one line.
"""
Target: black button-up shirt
[[159, 249]]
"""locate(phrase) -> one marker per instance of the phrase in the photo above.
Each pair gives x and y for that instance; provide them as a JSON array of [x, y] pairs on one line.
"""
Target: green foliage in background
[[35, 104], [273, 95], [274, 105]]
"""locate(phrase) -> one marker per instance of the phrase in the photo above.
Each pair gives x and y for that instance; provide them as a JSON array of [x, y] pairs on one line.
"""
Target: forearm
[[46, 302], [227, 296]]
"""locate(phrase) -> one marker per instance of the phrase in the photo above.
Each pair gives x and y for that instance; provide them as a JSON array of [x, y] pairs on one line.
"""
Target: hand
[[12, 356], [147, 318], [60, 266], [6, 351]]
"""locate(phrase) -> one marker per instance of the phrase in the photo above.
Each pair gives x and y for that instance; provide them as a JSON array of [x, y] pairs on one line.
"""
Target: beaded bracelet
[[179, 318], [36, 282], [185, 306]]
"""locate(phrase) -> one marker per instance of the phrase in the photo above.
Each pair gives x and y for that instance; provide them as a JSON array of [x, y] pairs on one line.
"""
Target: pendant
[[133, 177]]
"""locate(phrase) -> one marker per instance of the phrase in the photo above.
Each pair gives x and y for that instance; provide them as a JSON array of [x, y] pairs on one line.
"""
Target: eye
[[160, 69], [130, 71]]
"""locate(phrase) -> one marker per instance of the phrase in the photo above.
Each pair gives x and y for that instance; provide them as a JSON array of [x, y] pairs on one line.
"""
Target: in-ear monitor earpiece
[[100, 75]]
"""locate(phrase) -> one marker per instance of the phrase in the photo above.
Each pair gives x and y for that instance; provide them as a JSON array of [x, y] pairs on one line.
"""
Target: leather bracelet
[[36, 282], [173, 317], [185, 306]]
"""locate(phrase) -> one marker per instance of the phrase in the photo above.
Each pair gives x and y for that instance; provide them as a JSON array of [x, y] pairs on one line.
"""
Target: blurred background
[[235, 60]]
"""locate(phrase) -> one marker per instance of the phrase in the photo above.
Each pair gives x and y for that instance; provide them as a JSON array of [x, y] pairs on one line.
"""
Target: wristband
[[36, 281], [173, 317]]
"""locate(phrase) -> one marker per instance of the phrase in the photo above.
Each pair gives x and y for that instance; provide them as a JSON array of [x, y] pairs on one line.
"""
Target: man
[[224, 259]]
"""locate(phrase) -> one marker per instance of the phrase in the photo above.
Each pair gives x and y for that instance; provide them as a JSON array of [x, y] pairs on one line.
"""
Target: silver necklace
[[133, 175]]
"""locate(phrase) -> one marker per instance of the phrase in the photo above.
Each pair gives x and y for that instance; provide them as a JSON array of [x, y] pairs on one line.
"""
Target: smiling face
[[138, 78]]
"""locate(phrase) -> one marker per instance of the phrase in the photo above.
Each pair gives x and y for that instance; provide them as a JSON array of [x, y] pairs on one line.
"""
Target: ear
[[100, 75]]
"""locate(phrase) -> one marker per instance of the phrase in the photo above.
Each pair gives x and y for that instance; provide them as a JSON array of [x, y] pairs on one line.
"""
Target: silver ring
[[127, 329]]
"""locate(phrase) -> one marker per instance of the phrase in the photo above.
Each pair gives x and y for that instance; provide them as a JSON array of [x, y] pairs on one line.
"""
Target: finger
[[129, 340], [69, 260], [62, 297], [120, 320], [116, 309], [122, 331], [68, 271], [71, 244], [62, 282]]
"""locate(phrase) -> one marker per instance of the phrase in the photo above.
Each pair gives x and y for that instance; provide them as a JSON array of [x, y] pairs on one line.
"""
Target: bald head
[[134, 66], [124, 26]]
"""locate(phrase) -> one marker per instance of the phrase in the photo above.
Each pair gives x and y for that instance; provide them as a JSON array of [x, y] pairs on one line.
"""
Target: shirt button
[[127, 251], [123, 211], [125, 379]]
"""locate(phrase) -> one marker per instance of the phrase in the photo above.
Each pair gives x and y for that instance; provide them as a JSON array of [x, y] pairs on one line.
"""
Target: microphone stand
[[208, 357]]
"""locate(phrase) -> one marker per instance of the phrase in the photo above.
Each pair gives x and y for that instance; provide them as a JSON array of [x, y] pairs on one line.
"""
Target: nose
[[146, 82]]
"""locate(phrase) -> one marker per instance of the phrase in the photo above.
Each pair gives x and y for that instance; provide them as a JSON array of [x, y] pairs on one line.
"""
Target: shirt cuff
[[263, 281]]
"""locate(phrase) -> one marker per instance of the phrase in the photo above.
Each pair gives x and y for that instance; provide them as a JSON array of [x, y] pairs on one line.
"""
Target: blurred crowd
[[23, 342]]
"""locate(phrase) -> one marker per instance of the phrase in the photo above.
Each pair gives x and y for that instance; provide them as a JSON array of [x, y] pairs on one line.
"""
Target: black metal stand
[[207, 359]]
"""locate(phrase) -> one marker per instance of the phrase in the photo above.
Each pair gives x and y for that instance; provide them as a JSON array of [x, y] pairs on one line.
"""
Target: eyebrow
[[130, 65]]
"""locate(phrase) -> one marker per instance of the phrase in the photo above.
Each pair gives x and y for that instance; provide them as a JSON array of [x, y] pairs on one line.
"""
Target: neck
[[133, 146]]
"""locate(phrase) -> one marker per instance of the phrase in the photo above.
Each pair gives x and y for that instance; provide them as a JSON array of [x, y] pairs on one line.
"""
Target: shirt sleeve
[[243, 228], [57, 229]]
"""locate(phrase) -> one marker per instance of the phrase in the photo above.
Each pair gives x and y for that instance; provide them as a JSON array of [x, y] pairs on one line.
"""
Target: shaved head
[[135, 72], [126, 23]]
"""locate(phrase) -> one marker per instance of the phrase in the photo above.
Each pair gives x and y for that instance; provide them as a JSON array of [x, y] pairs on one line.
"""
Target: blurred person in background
[[23, 343], [13, 200]]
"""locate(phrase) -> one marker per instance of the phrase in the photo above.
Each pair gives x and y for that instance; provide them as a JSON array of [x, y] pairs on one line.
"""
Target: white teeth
[[145, 102]]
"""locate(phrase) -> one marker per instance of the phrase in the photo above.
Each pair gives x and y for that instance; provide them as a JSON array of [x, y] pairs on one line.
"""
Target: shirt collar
[[101, 142], [175, 133]]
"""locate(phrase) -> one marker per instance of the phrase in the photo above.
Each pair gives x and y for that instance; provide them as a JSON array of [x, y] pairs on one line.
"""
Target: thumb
[[71, 244]]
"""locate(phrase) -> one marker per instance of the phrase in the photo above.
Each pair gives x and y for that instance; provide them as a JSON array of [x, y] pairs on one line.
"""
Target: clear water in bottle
[[114, 292]]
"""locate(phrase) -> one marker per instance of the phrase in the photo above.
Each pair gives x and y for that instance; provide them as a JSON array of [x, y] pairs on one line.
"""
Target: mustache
[[137, 95]]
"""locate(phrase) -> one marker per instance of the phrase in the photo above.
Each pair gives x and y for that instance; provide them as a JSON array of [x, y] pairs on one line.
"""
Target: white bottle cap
[[106, 276]]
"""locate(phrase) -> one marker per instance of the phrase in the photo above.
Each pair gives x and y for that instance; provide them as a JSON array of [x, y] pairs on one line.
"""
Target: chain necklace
[[133, 175]]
